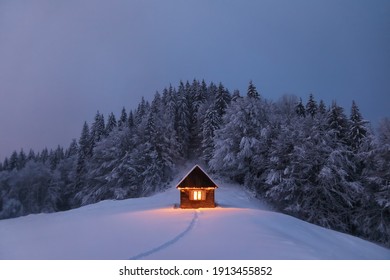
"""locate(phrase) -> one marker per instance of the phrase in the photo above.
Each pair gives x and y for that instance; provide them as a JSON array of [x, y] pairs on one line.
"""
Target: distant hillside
[[307, 159]]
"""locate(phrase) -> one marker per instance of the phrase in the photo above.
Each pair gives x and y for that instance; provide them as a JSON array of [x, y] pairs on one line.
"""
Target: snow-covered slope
[[151, 228]]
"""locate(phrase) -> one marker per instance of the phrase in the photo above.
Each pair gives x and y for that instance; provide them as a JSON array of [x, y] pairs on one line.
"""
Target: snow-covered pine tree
[[13, 161], [169, 102], [310, 173], [29, 186], [72, 149], [322, 108], [192, 105], [6, 165], [337, 123], [222, 100], [311, 106], [44, 155], [252, 91], [22, 159], [284, 109], [197, 95], [122, 122], [98, 130], [300, 109], [55, 156], [238, 144], [150, 132], [130, 119], [211, 93], [84, 153], [101, 179], [202, 92], [111, 123], [372, 222], [210, 124], [183, 120], [141, 111], [236, 95], [357, 127], [283, 182], [31, 155]]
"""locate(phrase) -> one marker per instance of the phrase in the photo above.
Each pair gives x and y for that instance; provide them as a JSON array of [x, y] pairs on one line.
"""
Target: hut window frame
[[198, 195]]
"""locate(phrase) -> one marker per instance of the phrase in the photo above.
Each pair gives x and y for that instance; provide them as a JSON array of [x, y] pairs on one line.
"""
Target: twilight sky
[[61, 61]]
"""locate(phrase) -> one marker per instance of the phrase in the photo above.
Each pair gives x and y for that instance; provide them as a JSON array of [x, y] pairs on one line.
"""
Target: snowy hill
[[151, 228]]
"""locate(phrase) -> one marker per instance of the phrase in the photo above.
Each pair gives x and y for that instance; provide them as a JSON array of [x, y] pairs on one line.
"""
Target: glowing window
[[198, 195]]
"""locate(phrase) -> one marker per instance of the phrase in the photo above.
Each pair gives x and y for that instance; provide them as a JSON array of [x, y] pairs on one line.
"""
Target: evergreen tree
[[98, 130], [84, 153], [238, 148], [31, 155], [22, 159], [111, 123], [311, 106], [44, 156], [102, 179], [72, 150], [130, 120], [142, 109], [171, 106], [6, 165], [285, 109], [222, 100], [236, 95], [183, 120], [123, 118], [300, 109], [384, 131], [373, 222], [150, 130], [53, 160], [211, 93], [322, 108], [337, 123], [85, 142], [202, 92], [211, 123], [13, 161], [196, 96], [55, 157], [252, 91], [357, 127]]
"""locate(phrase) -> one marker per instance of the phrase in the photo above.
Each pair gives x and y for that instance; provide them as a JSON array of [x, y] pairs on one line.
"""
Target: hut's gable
[[197, 189], [196, 178]]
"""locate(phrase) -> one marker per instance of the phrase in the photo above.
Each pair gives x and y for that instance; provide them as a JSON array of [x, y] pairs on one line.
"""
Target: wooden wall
[[185, 201]]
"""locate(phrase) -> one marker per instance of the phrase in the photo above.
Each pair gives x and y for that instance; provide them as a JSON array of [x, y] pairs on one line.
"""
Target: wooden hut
[[197, 189]]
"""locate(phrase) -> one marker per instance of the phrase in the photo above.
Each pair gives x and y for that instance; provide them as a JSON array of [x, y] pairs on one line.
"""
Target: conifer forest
[[318, 162]]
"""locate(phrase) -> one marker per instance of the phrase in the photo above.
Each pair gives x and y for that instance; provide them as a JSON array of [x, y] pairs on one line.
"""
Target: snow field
[[151, 228]]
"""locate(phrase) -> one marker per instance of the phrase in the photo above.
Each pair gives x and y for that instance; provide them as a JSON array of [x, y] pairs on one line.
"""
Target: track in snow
[[170, 242]]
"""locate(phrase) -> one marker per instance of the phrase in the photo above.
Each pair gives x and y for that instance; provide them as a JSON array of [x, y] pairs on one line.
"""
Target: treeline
[[308, 159], [130, 155]]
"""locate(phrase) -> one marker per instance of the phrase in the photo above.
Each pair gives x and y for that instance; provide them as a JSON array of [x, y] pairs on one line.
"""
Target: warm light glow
[[197, 195]]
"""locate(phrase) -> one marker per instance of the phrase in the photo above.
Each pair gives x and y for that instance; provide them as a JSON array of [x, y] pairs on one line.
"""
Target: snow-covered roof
[[194, 179]]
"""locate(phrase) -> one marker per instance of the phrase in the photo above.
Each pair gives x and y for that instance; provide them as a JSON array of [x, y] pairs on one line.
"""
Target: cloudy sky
[[61, 61]]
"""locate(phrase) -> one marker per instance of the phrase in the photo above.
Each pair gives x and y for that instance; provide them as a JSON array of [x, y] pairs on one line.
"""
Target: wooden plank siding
[[186, 202]]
